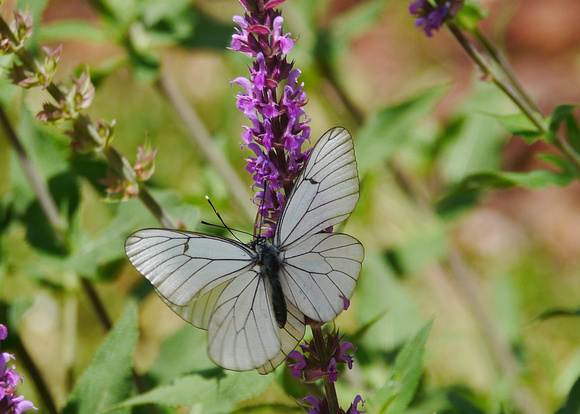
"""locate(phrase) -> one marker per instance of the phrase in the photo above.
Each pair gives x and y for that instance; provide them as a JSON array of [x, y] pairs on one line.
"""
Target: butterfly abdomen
[[270, 261]]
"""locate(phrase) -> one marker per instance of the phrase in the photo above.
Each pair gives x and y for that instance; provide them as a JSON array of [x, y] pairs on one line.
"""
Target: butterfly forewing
[[182, 264], [326, 191]]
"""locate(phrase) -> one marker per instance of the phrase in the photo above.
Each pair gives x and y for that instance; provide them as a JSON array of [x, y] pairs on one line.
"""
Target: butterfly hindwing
[[320, 271]]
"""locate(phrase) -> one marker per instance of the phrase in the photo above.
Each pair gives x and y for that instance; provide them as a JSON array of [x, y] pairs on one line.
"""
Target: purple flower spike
[[430, 18], [9, 379], [273, 100]]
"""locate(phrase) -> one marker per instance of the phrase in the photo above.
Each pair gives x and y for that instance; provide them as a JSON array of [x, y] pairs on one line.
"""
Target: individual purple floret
[[273, 101], [353, 409], [9, 379], [320, 405], [430, 18], [312, 367]]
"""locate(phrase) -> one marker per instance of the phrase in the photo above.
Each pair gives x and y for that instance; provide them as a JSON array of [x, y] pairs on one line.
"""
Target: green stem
[[44, 197], [521, 102], [125, 171], [331, 396], [37, 377], [198, 133], [506, 68]]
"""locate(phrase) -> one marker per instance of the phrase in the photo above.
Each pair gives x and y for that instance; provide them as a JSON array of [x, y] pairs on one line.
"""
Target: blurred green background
[[484, 264]]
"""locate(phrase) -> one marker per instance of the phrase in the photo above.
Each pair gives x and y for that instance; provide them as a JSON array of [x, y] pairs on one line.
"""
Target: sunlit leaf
[[108, 379], [388, 129], [572, 404], [398, 391], [217, 387], [520, 125]]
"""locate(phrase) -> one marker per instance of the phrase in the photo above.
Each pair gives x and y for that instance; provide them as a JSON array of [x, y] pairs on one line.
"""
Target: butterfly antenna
[[220, 219]]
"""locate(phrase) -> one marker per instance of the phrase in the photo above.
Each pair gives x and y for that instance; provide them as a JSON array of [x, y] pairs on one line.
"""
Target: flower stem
[[126, 172], [199, 134], [331, 396], [45, 199], [37, 377], [505, 66], [522, 102]]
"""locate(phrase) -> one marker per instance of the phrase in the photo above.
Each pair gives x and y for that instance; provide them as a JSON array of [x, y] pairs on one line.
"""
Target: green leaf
[[520, 125], [398, 391], [72, 29], [573, 132], [469, 189], [207, 390], [469, 16], [387, 130], [560, 114], [462, 405], [572, 404], [66, 193], [552, 313], [107, 380], [173, 362], [357, 20], [120, 11]]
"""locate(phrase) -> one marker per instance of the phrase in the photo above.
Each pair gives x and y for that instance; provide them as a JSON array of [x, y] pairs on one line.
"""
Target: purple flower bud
[[353, 407], [318, 406], [300, 365], [9, 379], [332, 370], [431, 18]]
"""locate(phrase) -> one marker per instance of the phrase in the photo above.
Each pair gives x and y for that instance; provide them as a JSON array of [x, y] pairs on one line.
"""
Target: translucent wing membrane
[[326, 191], [214, 283], [318, 271], [182, 264], [290, 336], [220, 285], [243, 333]]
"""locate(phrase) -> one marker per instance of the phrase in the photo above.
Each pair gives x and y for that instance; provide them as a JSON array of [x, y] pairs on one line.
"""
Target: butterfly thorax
[[270, 262]]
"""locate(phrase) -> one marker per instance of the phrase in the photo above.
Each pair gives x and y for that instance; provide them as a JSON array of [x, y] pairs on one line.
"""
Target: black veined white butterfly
[[252, 299]]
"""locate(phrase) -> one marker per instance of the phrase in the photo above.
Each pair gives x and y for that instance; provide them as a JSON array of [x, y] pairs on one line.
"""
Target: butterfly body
[[254, 299], [270, 262]]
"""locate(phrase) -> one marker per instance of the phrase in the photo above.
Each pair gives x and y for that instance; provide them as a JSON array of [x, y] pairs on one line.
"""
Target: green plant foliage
[[108, 379], [210, 388], [401, 385], [388, 129]]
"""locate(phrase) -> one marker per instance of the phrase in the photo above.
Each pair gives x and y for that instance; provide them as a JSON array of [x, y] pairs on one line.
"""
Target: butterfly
[[253, 299]]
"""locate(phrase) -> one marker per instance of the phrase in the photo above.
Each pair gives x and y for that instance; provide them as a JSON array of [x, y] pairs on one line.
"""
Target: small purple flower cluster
[[429, 17], [315, 366], [9, 379], [320, 405], [273, 101]]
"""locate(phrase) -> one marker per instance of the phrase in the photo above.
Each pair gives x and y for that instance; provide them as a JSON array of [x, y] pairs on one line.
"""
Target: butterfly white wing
[[182, 265], [319, 270], [325, 192], [214, 284], [290, 336]]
